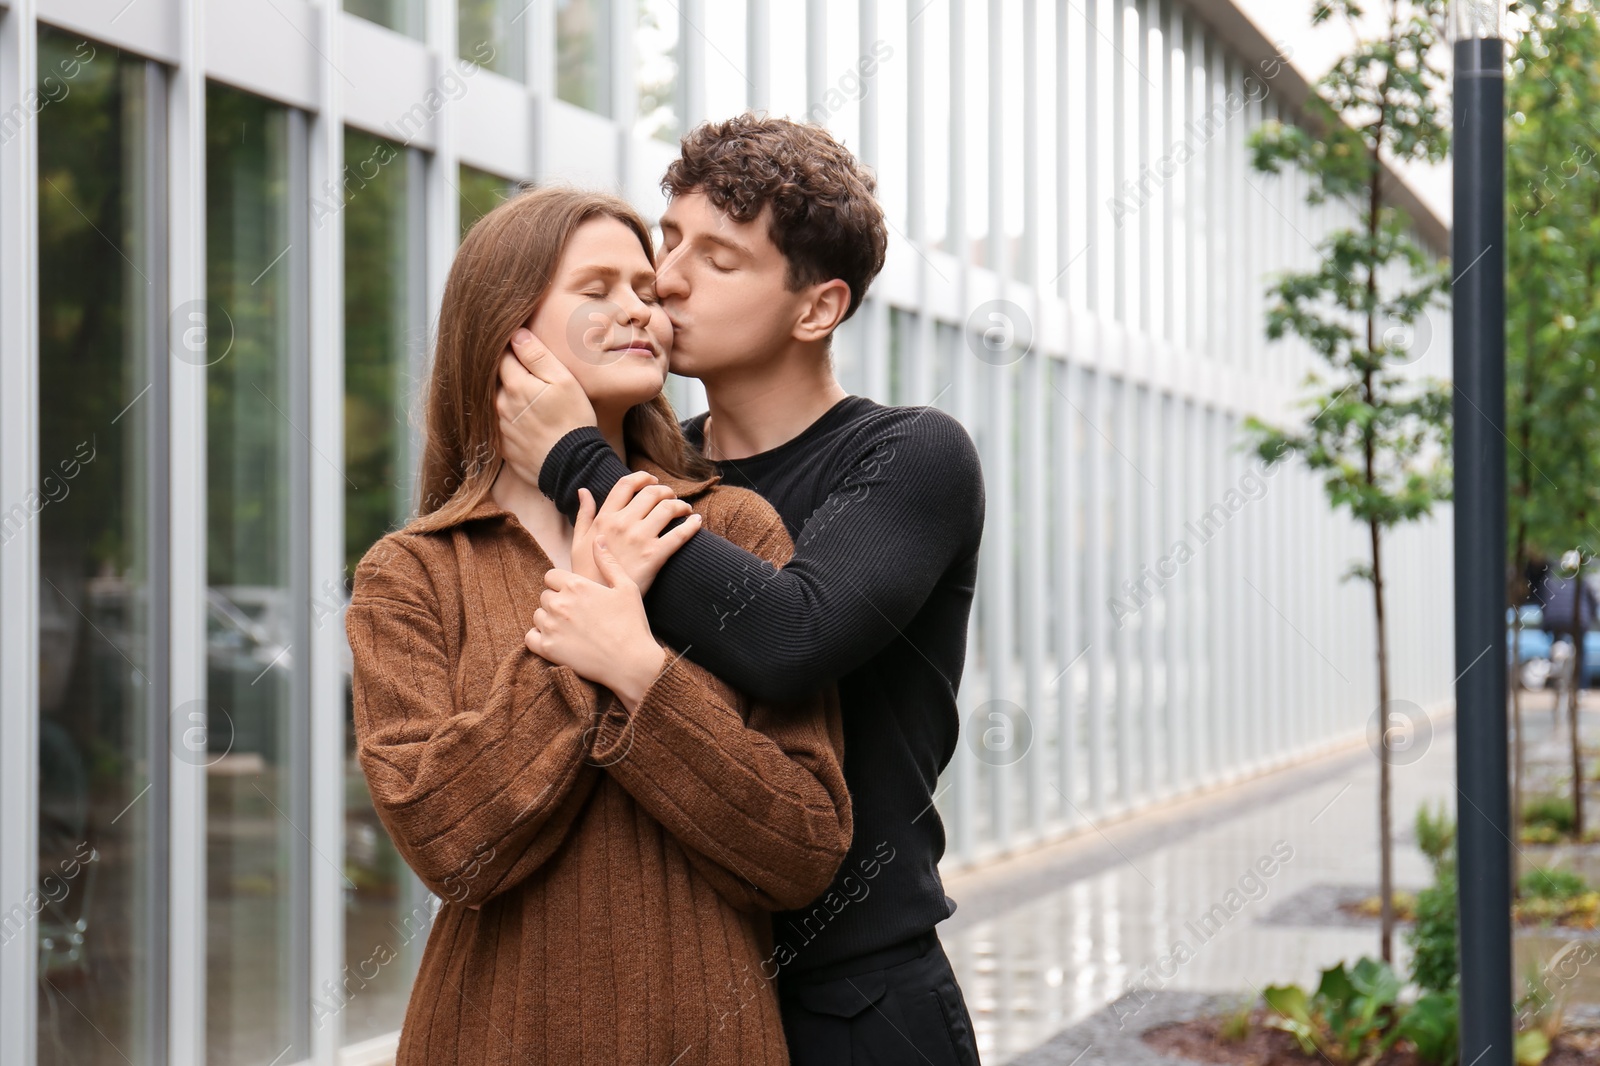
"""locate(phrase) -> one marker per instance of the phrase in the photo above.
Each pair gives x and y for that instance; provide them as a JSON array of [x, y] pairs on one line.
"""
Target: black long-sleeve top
[[886, 508]]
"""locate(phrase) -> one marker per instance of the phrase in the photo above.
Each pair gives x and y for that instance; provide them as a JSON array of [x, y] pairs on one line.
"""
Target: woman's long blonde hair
[[500, 274]]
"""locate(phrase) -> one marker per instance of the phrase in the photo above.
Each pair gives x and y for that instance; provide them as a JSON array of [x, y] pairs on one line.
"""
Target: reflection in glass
[[655, 37], [402, 16], [947, 342], [1080, 385], [491, 33], [386, 911], [255, 866], [479, 192], [96, 691], [900, 326], [583, 68], [846, 350], [1115, 483]]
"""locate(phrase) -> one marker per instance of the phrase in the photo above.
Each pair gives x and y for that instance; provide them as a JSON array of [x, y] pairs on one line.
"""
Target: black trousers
[[897, 1006]]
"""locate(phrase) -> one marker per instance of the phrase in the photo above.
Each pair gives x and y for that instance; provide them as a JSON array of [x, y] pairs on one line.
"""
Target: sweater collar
[[686, 488]]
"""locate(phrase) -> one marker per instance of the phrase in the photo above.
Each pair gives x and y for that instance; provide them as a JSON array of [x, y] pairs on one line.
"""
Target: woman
[[606, 853]]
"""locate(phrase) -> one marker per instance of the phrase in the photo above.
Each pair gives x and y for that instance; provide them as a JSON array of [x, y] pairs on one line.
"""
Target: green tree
[[1552, 314], [1379, 437]]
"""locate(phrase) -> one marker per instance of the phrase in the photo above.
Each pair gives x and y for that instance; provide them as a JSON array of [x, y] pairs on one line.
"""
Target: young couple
[[659, 711]]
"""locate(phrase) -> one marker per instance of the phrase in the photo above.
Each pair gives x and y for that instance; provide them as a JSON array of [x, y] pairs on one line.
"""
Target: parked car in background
[[1532, 652]]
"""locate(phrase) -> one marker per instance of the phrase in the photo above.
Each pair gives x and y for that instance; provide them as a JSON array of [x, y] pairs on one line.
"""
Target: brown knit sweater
[[606, 876]]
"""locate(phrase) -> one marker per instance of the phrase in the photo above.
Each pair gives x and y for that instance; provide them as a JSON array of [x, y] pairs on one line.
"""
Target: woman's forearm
[[766, 802]]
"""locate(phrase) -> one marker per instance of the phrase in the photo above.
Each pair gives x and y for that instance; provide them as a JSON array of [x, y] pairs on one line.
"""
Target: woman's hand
[[598, 627]]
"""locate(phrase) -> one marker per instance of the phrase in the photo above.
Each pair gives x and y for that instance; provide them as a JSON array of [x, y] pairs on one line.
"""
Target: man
[[770, 241]]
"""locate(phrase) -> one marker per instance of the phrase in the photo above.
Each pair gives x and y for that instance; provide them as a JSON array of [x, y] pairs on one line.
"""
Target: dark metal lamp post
[[1477, 250]]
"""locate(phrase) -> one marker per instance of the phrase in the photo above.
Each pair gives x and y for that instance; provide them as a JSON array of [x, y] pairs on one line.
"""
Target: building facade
[[224, 230]]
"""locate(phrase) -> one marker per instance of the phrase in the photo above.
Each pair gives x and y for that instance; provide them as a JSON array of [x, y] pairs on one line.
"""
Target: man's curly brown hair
[[825, 219]]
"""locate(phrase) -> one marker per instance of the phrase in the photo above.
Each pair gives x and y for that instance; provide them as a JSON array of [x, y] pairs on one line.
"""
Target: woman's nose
[[635, 311]]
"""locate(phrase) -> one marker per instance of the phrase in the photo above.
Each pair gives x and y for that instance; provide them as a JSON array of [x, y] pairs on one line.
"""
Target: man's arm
[[908, 505]]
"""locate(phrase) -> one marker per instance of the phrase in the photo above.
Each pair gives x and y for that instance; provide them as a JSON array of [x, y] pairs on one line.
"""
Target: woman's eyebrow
[[593, 272]]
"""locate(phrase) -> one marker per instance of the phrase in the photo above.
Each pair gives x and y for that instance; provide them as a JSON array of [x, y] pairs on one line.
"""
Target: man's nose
[[669, 279]]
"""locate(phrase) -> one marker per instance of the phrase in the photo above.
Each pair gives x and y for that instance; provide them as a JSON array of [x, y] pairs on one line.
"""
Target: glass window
[[491, 33], [1085, 676], [583, 54], [846, 346], [387, 911], [655, 39], [402, 16], [1113, 483], [901, 324], [948, 346], [480, 191], [255, 813], [98, 653]]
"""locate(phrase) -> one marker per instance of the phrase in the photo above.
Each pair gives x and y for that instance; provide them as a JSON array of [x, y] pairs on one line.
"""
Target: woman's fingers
[[536, 359], [586, 513], [610, 569], [518, 389]]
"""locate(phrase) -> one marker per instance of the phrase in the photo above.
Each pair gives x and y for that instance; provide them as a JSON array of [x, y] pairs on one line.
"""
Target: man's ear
[[829, 302]]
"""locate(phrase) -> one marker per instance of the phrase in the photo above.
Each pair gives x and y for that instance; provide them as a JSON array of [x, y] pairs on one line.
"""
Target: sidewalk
[[1175, 899]]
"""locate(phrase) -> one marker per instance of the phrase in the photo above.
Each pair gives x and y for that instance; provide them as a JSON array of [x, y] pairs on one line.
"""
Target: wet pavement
[[1174, 899]]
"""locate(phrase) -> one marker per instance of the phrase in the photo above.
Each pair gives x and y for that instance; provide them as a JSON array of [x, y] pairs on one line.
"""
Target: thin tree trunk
[[1369, 385], [1369, 389], [1385, 819]]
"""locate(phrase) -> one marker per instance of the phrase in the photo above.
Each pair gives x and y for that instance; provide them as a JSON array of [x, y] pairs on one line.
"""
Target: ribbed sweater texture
[[607, 877]]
